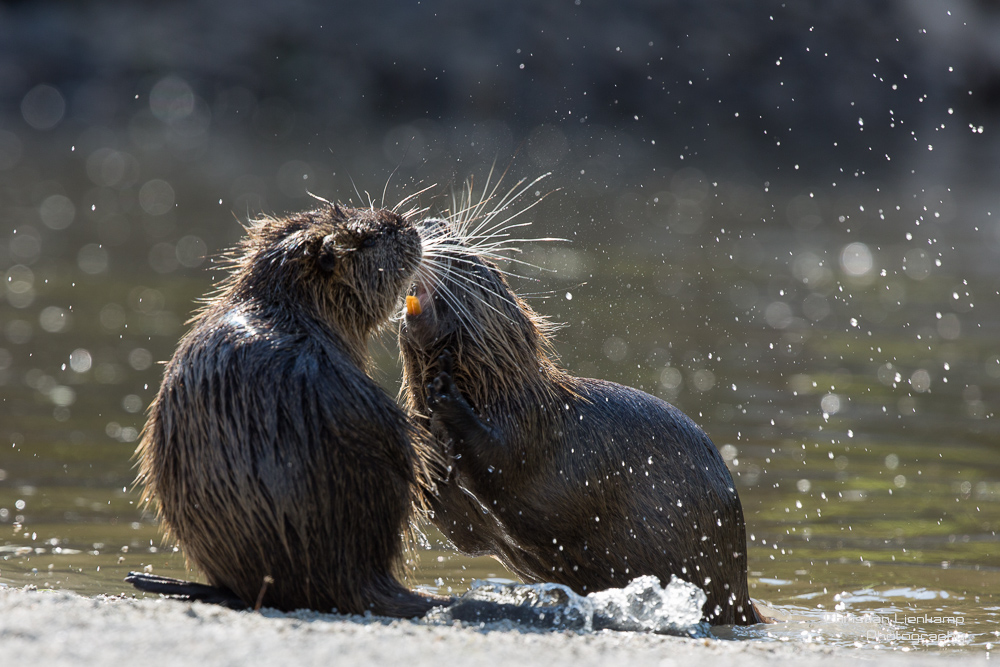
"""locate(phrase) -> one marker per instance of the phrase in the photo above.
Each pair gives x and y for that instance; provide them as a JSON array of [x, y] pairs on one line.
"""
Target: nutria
[[283, 470], [575, 481]]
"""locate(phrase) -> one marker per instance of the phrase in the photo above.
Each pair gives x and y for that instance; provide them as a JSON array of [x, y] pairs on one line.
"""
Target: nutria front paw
[[441, 392], [451, 417]]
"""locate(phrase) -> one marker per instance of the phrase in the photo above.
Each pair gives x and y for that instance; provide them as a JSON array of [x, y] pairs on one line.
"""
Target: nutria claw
[[441, 389], [446, 362]]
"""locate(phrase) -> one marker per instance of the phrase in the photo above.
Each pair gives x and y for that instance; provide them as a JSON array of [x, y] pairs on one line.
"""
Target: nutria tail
[[398, 601], [188, 591], [392, 600]]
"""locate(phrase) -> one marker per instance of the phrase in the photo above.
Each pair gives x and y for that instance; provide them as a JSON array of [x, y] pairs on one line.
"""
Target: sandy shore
[[60, 628]]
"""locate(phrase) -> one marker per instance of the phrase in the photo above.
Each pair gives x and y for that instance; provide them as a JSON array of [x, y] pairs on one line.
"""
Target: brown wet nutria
[[576, 481], [283, 470]]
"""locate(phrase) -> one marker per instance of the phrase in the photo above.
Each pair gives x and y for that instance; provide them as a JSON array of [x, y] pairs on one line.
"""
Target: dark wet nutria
[[576, 481], [283, 471]]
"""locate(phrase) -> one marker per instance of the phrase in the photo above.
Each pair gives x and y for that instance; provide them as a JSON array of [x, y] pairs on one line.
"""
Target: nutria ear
[[329, 255]]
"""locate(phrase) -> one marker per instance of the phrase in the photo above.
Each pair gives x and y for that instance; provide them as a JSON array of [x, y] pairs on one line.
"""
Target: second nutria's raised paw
[[453, 420], [441, 392]]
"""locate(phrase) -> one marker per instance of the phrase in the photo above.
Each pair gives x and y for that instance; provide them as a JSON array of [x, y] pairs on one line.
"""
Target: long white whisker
[[504, 241], [514, 260], [469, 211], [489, 305], [442, 288], [460, 276], [395, 209], [487, 229], [355, 186], [479, 227], [512, 196]]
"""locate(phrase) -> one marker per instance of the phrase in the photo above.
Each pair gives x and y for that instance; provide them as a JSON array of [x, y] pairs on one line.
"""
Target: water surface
[[841, 351]]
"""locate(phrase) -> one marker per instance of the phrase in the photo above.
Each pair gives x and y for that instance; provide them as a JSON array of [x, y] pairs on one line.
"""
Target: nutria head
[[498, 343], [460, 293], [349, 265], [345, 267]]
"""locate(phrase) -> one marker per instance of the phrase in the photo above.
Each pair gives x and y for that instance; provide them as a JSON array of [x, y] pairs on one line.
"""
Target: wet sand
[[61, 628]]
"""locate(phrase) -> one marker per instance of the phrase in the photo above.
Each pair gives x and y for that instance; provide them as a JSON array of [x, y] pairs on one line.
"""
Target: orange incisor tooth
[[413, 305]]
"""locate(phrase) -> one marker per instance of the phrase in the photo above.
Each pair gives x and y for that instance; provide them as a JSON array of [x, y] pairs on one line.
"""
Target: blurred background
[[781, 216]]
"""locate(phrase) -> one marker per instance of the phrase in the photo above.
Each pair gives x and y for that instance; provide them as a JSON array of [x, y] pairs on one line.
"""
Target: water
[[644, 605], [840, 347]]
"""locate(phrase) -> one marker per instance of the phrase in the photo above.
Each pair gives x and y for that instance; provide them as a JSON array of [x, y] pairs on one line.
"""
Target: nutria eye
[[368, 242], [328, 258]]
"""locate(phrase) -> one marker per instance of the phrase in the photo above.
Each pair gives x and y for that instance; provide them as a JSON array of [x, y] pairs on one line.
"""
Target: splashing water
[[643, 605]]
